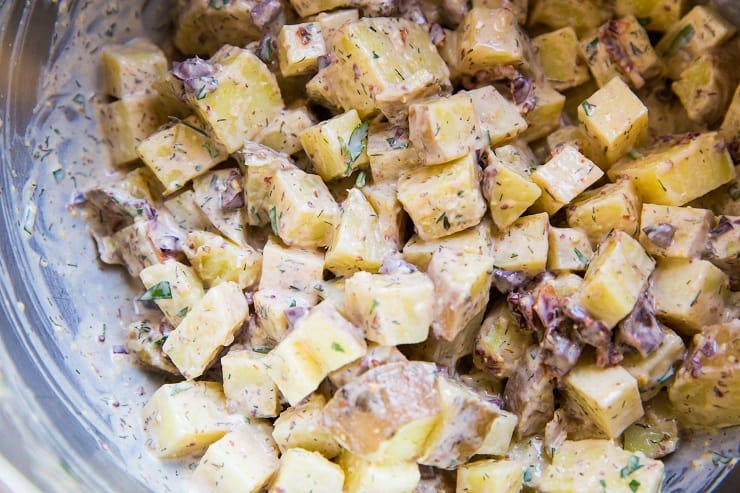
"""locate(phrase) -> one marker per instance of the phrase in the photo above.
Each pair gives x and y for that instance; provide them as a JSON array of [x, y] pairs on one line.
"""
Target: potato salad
[[398, 246]]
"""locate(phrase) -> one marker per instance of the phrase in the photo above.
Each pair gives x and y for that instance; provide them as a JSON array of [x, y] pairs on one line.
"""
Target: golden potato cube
[[598, 58], [678, 172], [704, 393], [392, 309], [586, 466], [387, 430], [615, 117], [508, 191], [391, 218], [498, 436], [219, 195], [702, 29], [299, 48], [679, 232], [390, 152], [131, 68], [311, 7], [133, 247], [174, 287], [612, 206], [628, 46], [705, 87], [524, 246], [248, 388], [358, 243], [501, 342], [208, 326], [363, 476], [501, 476], [563, 177], [569, 250], [244, 101], [331, 22], [655, 370], [730, 128], [545, 116], [464, 418], [292, 268], [582, 16], [270, 306], [302, 471], [218, 260], [260, 163], [490, 37], [320, 342], [560, 58], [337, 147], [243, 460], [689, 293], [442, 199], [615, 278], [127, 122], [473, 240], [462, 282], [283, 132], [499, 118], [185, 417], [609, 397], [654, 15], [530, 454], [384, 64], [444, 129], [302, 210], [300, 427], [655, 434]]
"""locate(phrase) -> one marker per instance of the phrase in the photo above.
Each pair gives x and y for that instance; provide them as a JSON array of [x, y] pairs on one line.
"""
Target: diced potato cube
[[337, 146], [499, 434], [615, 117], [283, 132], [302, 471], [655, 15], [704, 393], [320, 343], [385, 59], [390, 152], [609, 397], [218, 260], [244, 460], [519, 155], [131, 68], [730, 128], [599, 59], [358, 242], [705, 87], [299, 48], [248, 388], [680, 172], [302, 210], [689, 293], [391, 308], [127, 122], [271, 305], [443, 199], [220, 196], [292, 268], [370, 415], [529, 393], [185, 417], [208, 326], [186, 214], [627, 44], [134, 247], [545, 116], [508, 190], [300, 426], [569, 250], [179, 153], [702, 29], [582, 16], [391, 218], [656, 433], [615, 278], [586, 466], [174, 287], [501, 342], [501, 476], [530, 232], [612, 206], [655, 370], [244, 101], [464, 418], [560, 58], [363, 476], [260, 163], [462, 282], [563, 177], [331, 22], [444, 129], [679, 232], [490, 37], [531, 455], [499, 118], [473, 240]]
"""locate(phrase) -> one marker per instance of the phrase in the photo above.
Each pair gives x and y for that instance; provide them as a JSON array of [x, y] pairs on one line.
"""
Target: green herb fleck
[[218, 4], [247, 420], [662, 186], [360, 181], [634, 485], [178, 389], [111, 30], [273, 221], [267, 49], [261, 349], [374, 306], [634, 154], [632, 465], [212, 151], [603, 484], [58, 175], [160, 291], [184, 311], [337, 347], [682, 39], [356, 145], [79, 99], [666, 377], [581, 257], [160, 341], [588, 108], [192, 127], [718, 458], [527, 476]]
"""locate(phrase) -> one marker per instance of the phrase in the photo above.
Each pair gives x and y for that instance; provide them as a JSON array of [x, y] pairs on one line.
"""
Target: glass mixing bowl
[[70, 399]]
